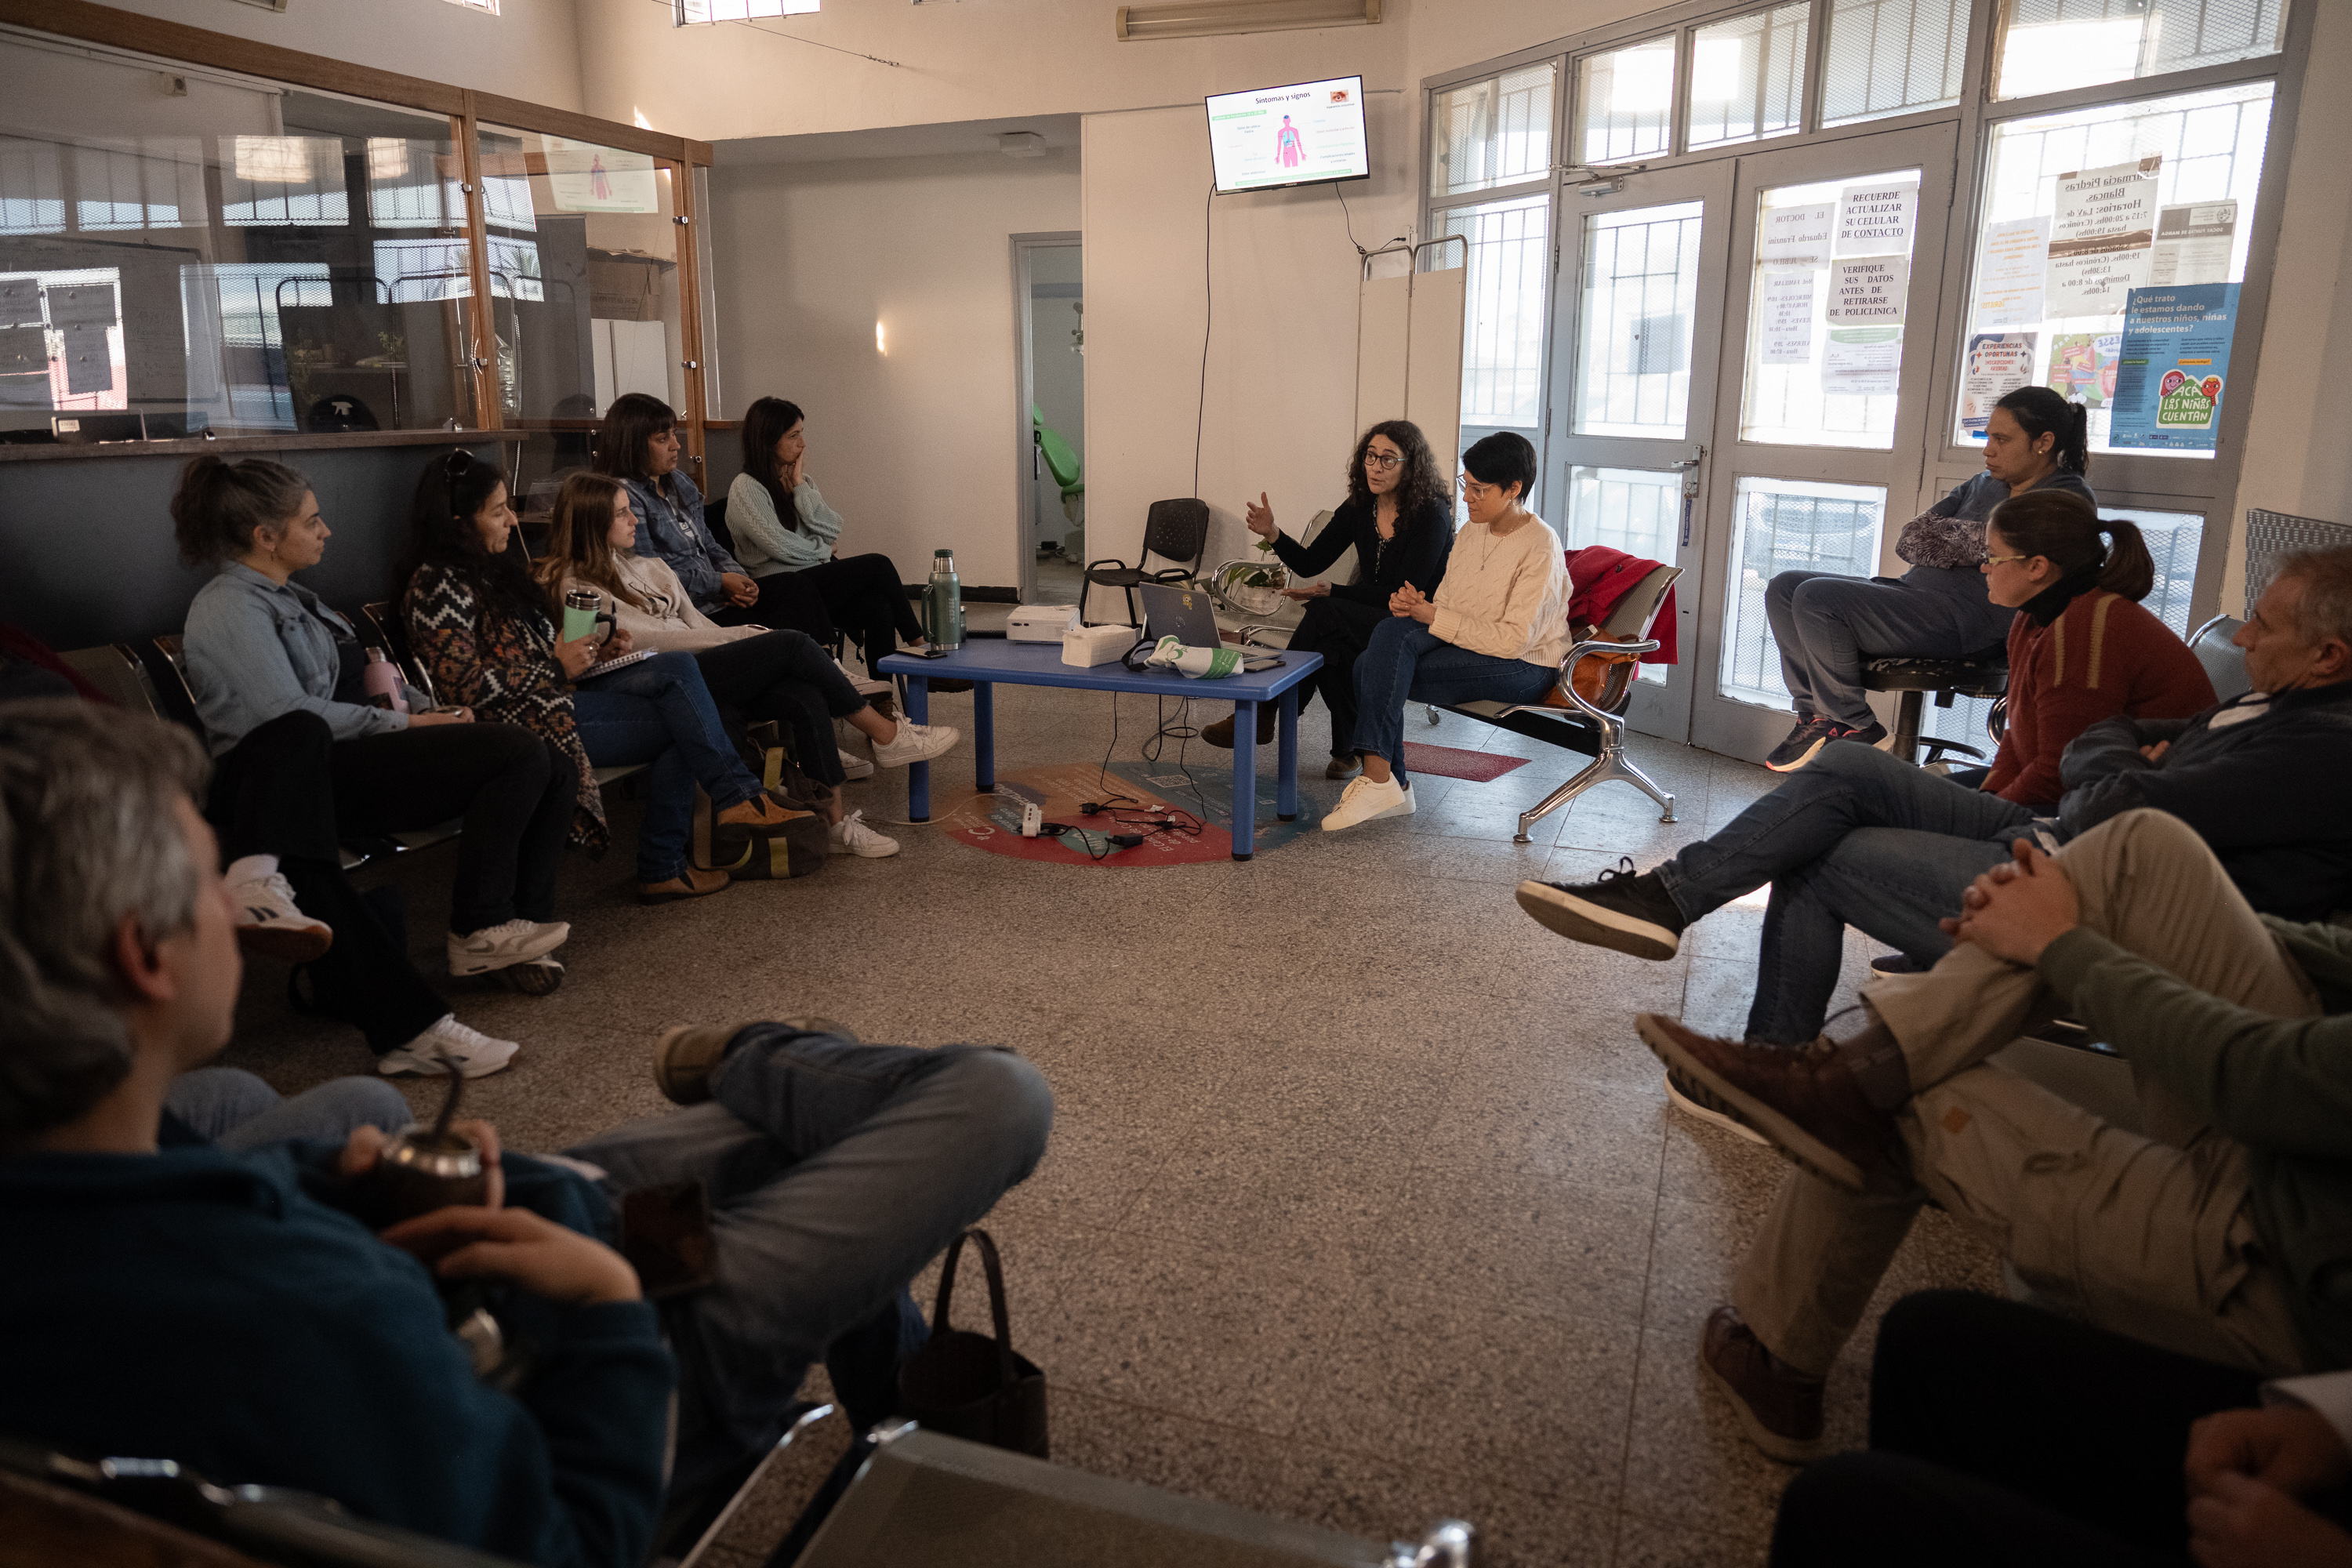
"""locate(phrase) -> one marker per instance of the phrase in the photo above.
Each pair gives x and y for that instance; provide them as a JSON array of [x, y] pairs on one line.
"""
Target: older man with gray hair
[[222, 1307]]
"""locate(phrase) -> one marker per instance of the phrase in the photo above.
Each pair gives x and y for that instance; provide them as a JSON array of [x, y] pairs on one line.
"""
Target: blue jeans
[[237, 1110], [1405, 661], [836, 1172], [660, 711], [1826, 625], [1857, 839]]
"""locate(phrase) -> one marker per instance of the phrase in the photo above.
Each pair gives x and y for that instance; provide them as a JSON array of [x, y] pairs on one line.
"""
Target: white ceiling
[[951, 139]]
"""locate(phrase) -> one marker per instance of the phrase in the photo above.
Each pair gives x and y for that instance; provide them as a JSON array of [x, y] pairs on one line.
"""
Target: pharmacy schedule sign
[[2173, 367]]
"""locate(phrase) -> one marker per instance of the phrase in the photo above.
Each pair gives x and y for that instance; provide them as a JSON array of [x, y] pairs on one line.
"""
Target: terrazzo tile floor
[[1364, 1205]]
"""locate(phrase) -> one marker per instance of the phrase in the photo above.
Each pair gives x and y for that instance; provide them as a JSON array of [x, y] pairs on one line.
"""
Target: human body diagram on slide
[[1289, 148]]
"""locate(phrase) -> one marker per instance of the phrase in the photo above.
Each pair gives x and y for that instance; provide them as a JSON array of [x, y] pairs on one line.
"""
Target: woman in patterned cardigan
[[486, 631]]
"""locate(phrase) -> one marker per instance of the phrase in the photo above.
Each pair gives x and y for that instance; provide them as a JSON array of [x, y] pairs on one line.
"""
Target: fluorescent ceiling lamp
[[693, 13], [1208, 19]]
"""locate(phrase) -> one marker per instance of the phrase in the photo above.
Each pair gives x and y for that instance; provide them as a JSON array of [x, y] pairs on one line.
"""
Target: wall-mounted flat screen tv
[[1303, 134]]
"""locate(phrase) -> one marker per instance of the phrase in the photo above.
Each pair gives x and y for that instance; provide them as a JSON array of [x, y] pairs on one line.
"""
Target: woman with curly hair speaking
[[1398, 518]]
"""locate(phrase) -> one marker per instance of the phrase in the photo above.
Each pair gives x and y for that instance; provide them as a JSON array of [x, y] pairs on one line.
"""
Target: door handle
[[1689, 467]]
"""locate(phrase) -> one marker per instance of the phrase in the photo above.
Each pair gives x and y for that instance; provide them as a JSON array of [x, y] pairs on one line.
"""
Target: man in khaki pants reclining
[[2225, 1232]]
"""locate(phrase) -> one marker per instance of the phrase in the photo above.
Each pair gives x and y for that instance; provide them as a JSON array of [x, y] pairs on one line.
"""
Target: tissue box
[[1091, 646], [1039, 623]]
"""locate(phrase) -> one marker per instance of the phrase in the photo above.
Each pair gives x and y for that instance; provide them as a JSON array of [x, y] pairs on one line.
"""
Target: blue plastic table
[[988, 662]]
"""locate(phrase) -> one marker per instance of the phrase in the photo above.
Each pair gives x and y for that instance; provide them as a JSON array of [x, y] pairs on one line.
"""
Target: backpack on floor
[[795, 849]]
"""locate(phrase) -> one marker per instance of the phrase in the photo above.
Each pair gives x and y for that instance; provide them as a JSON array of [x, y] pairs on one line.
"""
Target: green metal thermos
[[943, 603]]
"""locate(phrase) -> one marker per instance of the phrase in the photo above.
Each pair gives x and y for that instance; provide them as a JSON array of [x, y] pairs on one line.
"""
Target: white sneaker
[[915, 743], [430, 1054], [1364, 800], [866, 684], [854, 766], [267, 920], [850, 835], [495, 947]]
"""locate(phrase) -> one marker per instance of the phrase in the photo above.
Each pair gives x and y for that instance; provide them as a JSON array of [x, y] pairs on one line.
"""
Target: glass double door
[[1744, 354]]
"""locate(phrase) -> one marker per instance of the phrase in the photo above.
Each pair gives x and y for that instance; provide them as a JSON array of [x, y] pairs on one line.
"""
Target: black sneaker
[[1808, 737], [1895, 963], [1871, 736], [1626, 911]]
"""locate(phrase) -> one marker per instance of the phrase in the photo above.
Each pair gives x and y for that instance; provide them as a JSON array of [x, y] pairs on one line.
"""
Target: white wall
[[530, 50], [976, 61], [1280, 406], [2299, 446], [919, 447]]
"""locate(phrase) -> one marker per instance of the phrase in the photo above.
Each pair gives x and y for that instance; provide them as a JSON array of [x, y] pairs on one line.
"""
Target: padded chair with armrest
[[1174, 529], [2224, 662], [114, 668], [1597, 730], [1984, 673]]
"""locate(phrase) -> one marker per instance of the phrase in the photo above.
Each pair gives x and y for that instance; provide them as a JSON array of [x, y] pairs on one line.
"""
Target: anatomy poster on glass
[[582, 177], [2192, 244], [2009, 275], [1863, 362], [1788, 316], [1998, 363], [2101, 238], [2175, 367]]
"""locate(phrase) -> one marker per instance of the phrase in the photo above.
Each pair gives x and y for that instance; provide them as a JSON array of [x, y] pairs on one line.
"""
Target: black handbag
[[971, 1385]]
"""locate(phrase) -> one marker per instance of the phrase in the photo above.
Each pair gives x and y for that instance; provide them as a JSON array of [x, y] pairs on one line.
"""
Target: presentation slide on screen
[[1290, 135]]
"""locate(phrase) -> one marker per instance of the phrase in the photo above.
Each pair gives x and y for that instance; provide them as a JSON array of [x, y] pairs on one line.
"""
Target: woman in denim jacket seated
[[486, 630], [302, 759], [638, 446], [1827, 623]]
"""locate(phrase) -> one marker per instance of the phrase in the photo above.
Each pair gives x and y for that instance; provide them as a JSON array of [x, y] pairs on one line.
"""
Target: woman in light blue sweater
[[783, 527]]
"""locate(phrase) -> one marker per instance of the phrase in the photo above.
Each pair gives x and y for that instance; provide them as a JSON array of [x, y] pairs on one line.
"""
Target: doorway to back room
[[1050, 278]]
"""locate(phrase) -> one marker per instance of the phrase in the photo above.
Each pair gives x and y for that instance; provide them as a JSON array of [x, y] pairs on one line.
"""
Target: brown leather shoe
[[685, 1057], [1221, 733], [691, 883], [1779, 1410], [1805, 1102]]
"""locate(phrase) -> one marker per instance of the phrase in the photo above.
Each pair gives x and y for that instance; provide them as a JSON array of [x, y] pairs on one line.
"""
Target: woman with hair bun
[[303, 759], [1828, 623], [1401, 522], [2081, 649]]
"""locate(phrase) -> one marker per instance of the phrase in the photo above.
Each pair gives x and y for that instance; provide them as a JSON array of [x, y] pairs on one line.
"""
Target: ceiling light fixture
[[1210, 18], [1021, 144]]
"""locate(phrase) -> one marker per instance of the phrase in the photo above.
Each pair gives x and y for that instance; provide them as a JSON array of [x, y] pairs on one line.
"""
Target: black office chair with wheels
[[1175, 529], [1984, 673]]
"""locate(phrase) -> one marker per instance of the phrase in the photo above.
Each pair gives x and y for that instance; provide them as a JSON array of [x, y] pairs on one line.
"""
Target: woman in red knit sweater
[[2081, 649]]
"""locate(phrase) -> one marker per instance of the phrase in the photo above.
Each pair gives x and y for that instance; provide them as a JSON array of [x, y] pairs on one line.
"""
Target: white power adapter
[[1032, 820]]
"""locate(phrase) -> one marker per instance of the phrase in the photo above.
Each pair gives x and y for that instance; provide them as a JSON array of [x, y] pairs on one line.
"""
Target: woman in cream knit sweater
[[779, 676], [1497, 630]]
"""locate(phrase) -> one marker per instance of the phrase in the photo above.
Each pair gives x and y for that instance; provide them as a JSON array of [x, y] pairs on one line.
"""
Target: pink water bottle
[[381, 680]]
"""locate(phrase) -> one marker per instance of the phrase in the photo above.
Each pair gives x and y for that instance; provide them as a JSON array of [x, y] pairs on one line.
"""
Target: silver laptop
[[1186, 614]]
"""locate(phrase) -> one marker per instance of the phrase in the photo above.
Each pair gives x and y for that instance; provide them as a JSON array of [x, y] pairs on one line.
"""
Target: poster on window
[[1998, 363], [1787, 317], [2008, 273], [1863, 362], [2173, 367], [1869, 291], [2102, 237], [1875, 219], [582, 177], [1797, 237], [2192, 244], [2083, 366]]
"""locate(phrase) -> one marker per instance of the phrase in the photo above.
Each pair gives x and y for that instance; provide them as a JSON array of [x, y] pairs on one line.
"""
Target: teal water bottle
[[943, 603]]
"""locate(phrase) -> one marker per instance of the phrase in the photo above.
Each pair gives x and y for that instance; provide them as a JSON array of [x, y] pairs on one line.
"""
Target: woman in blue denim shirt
[[303, 759], [638, 446]]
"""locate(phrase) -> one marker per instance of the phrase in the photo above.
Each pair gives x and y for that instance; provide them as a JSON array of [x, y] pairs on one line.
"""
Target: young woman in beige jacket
[[1497, 630], [779, 676]]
